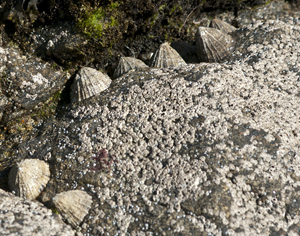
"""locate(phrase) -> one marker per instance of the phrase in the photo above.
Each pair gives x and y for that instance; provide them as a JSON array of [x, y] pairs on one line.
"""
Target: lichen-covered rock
[[207, 149], [60, 42], [29, 81], [210, 148]]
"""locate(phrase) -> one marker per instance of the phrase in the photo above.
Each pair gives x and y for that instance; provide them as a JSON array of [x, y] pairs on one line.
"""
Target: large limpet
[[126, 64], [73, 205], [165, 57], [28, 178], [213, 45], [88, 82]]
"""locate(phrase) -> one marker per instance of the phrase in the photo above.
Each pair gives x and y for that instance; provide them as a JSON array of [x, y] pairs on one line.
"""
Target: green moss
[[93, 23], [102, 21], [158, 13], [166, 36], [114, 5], [175, 8], [113, 22]]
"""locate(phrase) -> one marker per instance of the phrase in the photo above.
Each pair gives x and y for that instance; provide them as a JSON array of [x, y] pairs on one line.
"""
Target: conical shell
[[126, 64], [73, 205], [28, 178], [165, 57], [222, 26], [88, 82], [212, 44]]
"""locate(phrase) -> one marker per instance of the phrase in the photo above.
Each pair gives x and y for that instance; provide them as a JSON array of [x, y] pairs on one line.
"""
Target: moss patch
[[102, 24]]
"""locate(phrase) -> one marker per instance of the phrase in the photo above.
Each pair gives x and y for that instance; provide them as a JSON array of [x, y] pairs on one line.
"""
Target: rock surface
[[206, 149], [23, 217]]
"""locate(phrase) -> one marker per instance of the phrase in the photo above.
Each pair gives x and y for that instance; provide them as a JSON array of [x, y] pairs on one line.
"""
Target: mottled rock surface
[[30, 81], [206, 149], [23, 217]]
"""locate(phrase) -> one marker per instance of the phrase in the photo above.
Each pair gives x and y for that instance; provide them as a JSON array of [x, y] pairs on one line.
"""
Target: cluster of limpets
[[213, 44], [28, 178]]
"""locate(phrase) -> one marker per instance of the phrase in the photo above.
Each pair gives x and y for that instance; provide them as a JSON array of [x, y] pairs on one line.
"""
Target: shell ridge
[[29, 177]]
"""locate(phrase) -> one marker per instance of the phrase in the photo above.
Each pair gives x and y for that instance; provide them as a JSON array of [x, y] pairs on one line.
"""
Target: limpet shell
[[222, 26], [126, 64], [165, 57], [28, 178], [212, 44], [88, 82], [73, 205]]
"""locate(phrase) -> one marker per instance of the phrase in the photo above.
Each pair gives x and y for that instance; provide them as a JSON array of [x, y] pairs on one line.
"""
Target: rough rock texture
[[207, 149], [60, 42], [29, 81], [23, 217]]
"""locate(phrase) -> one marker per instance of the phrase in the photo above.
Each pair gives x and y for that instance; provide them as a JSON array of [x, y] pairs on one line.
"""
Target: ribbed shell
[[88, 82], [73, 205], [165, 57], [212, 44], [28, 178], [126, 64], [222, 26]]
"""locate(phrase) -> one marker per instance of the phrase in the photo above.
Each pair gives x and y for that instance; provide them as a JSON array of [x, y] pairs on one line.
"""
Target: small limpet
[[166, 57], [126, 64], [73, 205], [213, 45], [222, 26], [28, 178], [88, 82]]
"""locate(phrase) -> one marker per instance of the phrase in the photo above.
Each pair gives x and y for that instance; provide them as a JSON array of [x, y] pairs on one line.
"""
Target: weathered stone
[[205, 149], [24, 217], [29, 81]]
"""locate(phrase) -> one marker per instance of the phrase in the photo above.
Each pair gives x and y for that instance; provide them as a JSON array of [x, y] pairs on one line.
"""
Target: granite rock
[[24, 217]]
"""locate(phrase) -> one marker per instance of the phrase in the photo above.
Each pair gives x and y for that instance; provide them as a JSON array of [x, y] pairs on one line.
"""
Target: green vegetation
[[175, 8], [48, 108], [158, 13], [96, 22]]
